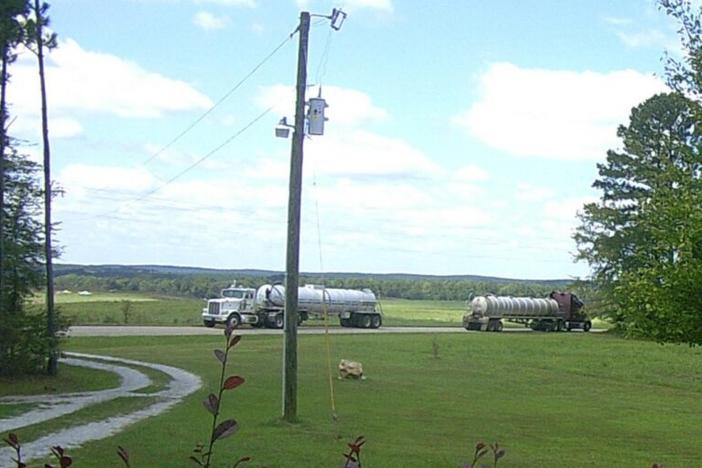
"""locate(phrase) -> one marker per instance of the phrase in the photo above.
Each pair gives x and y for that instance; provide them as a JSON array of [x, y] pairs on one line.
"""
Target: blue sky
[[463, 136]]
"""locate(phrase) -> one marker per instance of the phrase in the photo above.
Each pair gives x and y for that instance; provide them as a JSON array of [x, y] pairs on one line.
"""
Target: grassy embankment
[[551, 399]]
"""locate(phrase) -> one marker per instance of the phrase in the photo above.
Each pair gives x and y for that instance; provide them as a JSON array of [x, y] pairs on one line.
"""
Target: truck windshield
[[235, 293]]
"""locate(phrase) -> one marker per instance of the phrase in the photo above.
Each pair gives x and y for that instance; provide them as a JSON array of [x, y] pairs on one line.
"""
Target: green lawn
[[551, 399], [70, 379]]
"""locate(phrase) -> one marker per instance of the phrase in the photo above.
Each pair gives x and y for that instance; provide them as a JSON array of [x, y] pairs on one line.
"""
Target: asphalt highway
[[125, 330]]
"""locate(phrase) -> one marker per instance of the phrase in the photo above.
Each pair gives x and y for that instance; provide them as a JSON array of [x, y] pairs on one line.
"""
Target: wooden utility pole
[[292, 264]]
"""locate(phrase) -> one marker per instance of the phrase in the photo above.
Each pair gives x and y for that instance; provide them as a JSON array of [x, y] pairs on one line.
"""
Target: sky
[[463, 136]]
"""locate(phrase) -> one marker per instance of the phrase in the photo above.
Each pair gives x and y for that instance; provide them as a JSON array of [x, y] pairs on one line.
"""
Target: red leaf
[[233, 382], [225, 429], [235, 339], [219, 354]]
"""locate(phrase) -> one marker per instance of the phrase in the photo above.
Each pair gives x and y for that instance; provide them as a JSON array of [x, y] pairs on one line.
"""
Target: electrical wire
[[221, 100], [203, 158]]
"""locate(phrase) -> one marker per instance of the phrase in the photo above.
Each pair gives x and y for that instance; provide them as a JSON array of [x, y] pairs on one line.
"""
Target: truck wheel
[[499, 326], [559, 326], [587, 326], [209, 323], [375, 321], [364, 321], [234, 320], [345, 322], [278, 321]]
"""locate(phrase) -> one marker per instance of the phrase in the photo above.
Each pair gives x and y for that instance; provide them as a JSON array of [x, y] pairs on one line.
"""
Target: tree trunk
[[3, 141], [52, 364]]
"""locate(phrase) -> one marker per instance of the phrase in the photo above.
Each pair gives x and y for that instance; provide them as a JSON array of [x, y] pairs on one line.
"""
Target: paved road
[[185, 331]]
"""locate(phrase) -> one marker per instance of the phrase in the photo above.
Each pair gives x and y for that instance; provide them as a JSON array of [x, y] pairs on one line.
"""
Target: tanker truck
[[265, 306], [558, 312]]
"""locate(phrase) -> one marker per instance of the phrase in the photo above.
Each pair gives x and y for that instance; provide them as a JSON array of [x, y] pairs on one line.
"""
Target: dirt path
[[182, 383]]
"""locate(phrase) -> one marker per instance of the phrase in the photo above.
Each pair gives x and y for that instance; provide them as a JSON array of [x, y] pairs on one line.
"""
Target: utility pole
[[292, 264]]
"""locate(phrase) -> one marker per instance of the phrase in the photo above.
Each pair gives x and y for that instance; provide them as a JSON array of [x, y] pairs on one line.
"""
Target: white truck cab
[[234, 307]]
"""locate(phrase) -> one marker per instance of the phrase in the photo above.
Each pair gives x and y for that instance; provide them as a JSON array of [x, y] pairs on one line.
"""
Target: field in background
[[551, 399], [140, 309], [109, 309]]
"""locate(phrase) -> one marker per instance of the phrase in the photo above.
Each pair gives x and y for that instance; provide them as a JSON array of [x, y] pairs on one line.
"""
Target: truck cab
[[234, 307]]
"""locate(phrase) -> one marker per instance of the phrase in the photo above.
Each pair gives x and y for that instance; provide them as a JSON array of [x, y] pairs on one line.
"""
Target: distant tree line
[[208, 286]]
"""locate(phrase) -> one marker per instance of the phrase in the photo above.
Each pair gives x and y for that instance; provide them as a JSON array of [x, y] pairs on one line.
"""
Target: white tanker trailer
[[265, 306], [559, 311]]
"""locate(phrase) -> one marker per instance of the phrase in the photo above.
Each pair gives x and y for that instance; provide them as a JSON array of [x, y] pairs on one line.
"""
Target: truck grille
[[213, 308]]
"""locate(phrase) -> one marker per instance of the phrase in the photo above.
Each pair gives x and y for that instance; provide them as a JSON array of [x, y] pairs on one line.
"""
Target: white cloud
[[347, 149], [618, 21], [59, 127], [209, 22], [471, 173], [82, 80], [555, 114], [79, 177], [174, 158], [359, 152], [649, 38]]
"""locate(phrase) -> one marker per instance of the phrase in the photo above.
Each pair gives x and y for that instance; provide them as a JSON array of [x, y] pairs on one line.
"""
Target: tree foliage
[[23, 339], [643, 238]]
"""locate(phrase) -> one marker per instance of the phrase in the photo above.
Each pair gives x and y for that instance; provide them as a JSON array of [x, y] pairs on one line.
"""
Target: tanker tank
[[353, 307], [559, 311]]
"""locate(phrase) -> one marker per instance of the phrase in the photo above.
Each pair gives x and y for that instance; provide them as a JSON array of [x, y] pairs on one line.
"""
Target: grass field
[[108, 309], [551, 399]]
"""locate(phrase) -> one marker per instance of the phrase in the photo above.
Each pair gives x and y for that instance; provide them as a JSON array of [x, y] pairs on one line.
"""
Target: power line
[[207, 155], [187, 169], [220, 101]]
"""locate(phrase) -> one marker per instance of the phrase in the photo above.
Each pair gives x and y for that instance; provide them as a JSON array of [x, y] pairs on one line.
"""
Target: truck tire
[[344, 322], [278, 321], [376, 321], [234, 320], [364, 321], [208, 323], [587, 326], [499, 326]]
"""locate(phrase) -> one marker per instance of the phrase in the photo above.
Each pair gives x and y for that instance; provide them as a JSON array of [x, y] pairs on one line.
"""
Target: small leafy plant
[[481, 449], [353, 458], [202, 455]]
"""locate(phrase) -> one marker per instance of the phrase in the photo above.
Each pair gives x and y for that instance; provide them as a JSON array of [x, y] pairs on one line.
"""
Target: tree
[[37, 40], [638, 237], [23, 340], [11, 34]]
